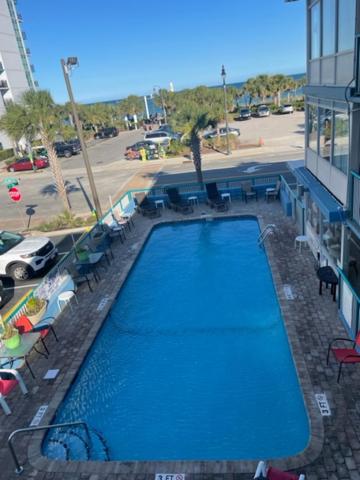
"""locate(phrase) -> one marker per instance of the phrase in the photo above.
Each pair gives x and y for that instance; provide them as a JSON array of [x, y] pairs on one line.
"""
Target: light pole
[[223, 74], [162, 101], [67, 65]]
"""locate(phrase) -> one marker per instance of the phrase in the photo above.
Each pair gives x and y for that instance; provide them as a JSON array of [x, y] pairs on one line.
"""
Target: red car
[[25, 164]]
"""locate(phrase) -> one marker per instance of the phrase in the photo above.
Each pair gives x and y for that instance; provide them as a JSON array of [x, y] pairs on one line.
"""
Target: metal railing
[[355, 198], [19, 468], [349, 303], [125, 205], [297, 206]]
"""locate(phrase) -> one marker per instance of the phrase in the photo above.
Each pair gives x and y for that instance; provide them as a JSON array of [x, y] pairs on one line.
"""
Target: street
[[282, 137]]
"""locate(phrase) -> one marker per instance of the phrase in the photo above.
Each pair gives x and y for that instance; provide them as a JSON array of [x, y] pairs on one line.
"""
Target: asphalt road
[[13, 291]]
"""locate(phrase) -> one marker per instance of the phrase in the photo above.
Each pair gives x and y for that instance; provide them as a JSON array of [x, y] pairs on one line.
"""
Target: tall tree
[[192, 121], [36, 115]]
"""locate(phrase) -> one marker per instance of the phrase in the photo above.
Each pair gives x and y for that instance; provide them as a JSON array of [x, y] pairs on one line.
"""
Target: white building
[[15, 69]]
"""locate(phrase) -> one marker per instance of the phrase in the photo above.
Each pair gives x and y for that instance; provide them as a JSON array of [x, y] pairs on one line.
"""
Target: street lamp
[[223, 74], [162, 101], [67, 66]]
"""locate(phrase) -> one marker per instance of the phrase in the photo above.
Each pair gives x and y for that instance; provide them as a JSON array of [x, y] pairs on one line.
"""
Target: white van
[[158, 136]]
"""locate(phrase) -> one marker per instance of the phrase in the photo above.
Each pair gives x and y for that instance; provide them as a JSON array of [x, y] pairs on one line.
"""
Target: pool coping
[[129, 468]]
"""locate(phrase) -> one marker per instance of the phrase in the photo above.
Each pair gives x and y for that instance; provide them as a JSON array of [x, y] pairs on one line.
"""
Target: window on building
[[346, 24], [328, 31], [312, 127], [341, 141], [315, 30], [325, 127]]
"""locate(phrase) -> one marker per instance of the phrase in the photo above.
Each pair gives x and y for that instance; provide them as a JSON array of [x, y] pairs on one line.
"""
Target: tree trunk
[[56, 172], [196, 153], [279, 98]]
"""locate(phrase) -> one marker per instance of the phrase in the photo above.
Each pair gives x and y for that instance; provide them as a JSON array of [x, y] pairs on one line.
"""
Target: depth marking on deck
[[170, 476], [102, 303], [323, 404], [288, 292], [38, 416]]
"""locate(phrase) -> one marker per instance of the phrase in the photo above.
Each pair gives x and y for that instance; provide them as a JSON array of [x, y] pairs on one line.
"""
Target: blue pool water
[[193, 363]]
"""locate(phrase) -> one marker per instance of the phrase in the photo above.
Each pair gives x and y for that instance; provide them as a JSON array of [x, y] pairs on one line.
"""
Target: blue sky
[[127, 47]]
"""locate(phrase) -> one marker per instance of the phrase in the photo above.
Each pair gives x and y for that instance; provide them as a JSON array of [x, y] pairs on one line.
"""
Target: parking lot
[[13, 291]]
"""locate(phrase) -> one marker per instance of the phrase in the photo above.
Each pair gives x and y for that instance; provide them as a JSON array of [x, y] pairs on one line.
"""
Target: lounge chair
[[270, 473], [248, 191], [123, 220], [177, 203], [145, 207], [9, 379], [214, 198], [343, 355], [273, 192]]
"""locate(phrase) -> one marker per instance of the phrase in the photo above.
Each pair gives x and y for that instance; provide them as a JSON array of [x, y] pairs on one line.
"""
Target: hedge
[[7, 153]]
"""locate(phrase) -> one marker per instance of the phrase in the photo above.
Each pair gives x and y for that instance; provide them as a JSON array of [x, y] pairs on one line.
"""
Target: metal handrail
[[265, 232], [19, 469]]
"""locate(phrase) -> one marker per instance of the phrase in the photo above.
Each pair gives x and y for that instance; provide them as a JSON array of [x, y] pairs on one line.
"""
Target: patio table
[[27, 344], [91, 262]]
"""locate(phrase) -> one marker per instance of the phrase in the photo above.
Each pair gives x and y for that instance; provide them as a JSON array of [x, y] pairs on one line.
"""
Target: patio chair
[[115, 230], [23, 325], [124, 220], [79, 277], [177, 203], [248, 191], [273, 192], [145, 207], [343, 355], [102, 244], [9, 379], [214, 198], [271, 473]]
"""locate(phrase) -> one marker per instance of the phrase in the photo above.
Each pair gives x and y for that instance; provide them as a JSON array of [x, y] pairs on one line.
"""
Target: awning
[[329, 206]]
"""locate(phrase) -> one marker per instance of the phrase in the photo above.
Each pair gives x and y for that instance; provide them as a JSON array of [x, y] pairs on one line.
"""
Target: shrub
[[6, 154], [66, 220], [176, 147], [34, 305]]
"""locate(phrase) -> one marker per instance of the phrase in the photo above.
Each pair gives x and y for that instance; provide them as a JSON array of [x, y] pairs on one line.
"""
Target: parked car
[[21, 257], [222, 132], [25, 164], [262, 111], [67, 150], [244, 114], [75, 142], [159, 137], [107, 132], [170, 131], [132, 152], [286, 109]]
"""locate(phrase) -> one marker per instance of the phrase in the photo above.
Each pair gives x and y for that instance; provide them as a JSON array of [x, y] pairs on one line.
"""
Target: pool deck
[[311, 321]]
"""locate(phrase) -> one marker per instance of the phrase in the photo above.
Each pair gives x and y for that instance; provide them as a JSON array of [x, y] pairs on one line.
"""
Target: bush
[[176, 147], [66, 220], [6, 154]]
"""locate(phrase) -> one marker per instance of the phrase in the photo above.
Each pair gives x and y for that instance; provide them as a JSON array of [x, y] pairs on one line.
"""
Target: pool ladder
[[87, 442], [269, 229]]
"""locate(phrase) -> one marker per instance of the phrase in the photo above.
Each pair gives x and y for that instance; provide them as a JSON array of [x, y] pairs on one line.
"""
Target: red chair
[[344, 355], [272, 473], [24, 325], [9, 379]]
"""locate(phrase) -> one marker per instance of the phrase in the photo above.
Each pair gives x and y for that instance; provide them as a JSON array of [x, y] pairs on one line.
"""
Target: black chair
[[177, 203], [80, 275], [214, 198], [145, 207]]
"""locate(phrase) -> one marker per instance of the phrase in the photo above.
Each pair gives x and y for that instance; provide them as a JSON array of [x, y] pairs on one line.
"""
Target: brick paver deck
[[311, 320]]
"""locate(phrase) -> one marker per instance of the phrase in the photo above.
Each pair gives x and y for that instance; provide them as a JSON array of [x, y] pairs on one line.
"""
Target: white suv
[[158, 136], [21, 257]]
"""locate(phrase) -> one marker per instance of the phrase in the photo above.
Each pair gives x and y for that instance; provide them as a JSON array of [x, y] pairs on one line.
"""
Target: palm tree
[[262, 86], [278, 84], [36, 115], [192, 122], [251, 89]]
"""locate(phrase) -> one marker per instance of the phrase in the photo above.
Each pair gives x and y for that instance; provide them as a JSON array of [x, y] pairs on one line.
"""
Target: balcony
[[1, 68], [23, 35], [20, 18], [28, 52]]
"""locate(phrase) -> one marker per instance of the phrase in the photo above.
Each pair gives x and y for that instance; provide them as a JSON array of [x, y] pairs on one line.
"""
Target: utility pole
[[66, 67], [223, 74]]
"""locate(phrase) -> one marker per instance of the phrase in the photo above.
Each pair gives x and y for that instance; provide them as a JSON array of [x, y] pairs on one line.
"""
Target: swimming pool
[[193, 362]]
